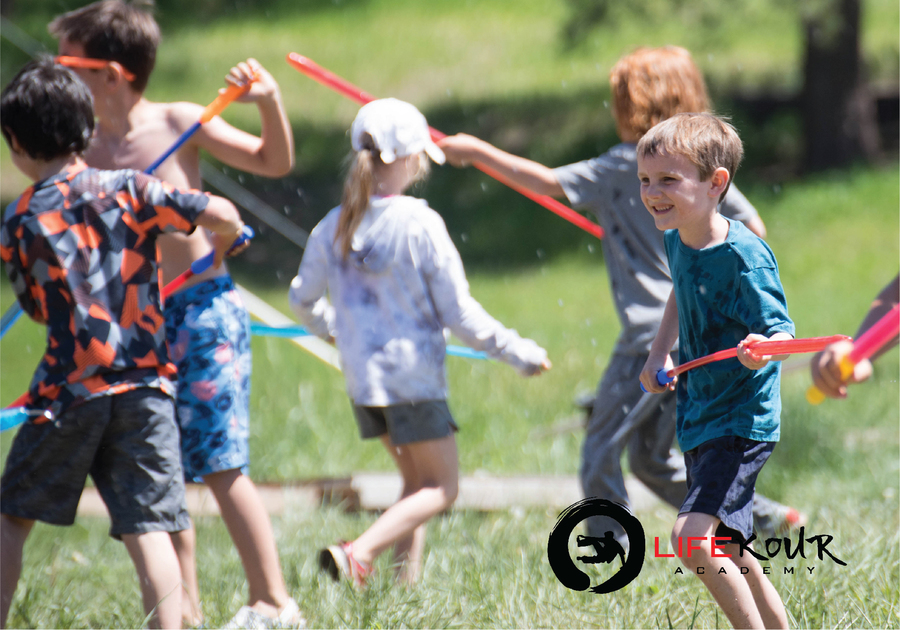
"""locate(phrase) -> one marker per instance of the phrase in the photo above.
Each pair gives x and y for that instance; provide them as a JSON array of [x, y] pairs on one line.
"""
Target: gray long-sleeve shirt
[[401, 286]]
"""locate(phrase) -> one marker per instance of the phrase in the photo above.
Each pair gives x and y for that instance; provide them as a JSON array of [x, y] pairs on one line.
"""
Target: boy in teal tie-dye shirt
[[726, 292]]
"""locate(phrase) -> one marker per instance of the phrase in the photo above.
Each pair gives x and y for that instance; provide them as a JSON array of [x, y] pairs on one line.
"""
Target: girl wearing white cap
[[396, 283]]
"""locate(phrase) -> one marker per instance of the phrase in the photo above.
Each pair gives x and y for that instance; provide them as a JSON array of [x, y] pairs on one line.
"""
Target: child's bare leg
[[248, 523], [768, 601], [408, 550], [13, 533], [159, 577], [185, 543], [408, 556], [729, 588], [438, 470]]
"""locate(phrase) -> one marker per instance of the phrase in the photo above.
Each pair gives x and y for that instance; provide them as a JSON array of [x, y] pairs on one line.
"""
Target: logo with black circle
[[607, 550]]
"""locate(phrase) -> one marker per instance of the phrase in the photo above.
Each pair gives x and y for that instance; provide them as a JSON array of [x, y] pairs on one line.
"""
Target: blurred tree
[[836, 106], [838, 110]]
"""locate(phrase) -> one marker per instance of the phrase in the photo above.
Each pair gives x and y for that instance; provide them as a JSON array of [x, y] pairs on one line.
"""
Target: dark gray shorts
[[129, 445], [409, 422], [721, 478]]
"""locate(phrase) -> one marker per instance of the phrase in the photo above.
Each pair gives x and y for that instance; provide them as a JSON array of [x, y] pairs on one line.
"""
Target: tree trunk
[[837, 109]]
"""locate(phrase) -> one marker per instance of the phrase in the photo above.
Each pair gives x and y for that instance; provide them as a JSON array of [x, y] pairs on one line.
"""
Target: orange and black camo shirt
[[80, 251]]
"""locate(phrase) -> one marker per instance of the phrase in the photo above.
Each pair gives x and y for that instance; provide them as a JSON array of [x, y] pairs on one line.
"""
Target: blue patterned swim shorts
[[208, 330]]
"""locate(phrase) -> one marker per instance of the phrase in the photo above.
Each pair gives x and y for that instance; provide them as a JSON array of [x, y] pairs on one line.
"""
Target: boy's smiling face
[[674, 194]]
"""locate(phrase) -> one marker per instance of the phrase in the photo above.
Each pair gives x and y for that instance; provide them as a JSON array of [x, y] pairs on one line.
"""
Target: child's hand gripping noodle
[[212, 259], [850, 357]]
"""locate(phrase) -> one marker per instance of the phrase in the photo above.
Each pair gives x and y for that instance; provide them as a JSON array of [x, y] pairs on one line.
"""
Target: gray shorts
[[408, 422], [129, 445], [721, 477]]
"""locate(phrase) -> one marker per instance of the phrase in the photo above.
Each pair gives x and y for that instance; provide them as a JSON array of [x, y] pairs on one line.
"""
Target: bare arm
[[222, 219], [887, 299], [463, 149], [825, 366], [271, 154]]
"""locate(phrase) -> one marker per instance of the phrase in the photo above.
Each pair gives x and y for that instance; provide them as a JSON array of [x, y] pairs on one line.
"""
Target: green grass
[[836, 240], [481, 571], [500, 70]]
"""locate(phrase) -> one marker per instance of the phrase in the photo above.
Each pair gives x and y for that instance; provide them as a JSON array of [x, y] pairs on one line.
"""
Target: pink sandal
[[338, 561]]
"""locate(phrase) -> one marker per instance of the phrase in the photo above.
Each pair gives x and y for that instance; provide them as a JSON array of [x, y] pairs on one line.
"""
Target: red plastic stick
[[18, 402], [202, 264], [336, 83], [785, 346], [877, 336]]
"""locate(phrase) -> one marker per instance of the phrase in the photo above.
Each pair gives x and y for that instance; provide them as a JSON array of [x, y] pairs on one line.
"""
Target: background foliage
[[504, 70]]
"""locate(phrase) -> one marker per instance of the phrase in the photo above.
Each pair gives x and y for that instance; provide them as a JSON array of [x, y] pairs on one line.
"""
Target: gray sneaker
[[249, 619]]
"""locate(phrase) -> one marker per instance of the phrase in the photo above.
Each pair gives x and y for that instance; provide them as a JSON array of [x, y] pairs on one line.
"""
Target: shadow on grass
[[493, 226]]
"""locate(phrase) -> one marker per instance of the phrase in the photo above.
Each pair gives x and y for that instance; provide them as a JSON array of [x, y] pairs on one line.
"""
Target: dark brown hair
[[48, 109], [114, 30]]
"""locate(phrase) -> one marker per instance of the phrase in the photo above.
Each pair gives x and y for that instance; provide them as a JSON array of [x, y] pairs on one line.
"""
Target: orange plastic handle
[[224, 99]]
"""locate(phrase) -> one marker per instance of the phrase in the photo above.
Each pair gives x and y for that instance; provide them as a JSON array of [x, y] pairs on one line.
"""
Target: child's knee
[[450, 492], [691, 536], [14, 528]]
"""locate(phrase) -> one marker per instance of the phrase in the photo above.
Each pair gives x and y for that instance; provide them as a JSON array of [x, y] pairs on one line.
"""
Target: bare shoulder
[[178, 116]]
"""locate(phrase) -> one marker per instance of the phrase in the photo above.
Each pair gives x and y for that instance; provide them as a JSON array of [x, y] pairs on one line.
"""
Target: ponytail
[[358, 187]]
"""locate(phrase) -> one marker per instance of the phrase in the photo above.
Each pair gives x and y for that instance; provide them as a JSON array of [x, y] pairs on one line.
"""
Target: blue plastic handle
[[264, 330], [172, 149], [202, 264], [14, 416], [10, 317], [662, 377], [10, 418]]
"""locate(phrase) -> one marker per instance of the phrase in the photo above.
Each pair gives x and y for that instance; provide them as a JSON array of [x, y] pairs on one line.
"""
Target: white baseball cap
[[398, 129]]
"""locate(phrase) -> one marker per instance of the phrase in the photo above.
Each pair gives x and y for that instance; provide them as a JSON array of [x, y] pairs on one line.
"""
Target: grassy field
[[836, 239], [501, 70]]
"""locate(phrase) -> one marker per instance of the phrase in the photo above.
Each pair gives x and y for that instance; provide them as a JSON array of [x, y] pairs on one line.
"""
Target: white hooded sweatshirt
[[400, 287]]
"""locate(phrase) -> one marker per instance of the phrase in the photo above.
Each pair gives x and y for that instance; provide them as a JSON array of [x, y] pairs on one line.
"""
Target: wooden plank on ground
[[378, 491], [271, 316]]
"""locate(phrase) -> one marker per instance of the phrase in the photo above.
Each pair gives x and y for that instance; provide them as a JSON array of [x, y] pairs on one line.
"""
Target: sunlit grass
[[835, 237]]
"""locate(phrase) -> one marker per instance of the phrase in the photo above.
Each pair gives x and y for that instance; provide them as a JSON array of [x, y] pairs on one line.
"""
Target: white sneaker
[[249, 619]]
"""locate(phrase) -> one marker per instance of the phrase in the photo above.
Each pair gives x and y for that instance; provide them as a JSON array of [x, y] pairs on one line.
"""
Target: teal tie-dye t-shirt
[[724, 293]]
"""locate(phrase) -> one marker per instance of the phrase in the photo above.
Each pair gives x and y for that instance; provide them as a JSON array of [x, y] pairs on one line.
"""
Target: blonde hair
[[707, 141], [359, 186], [652, 84]]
